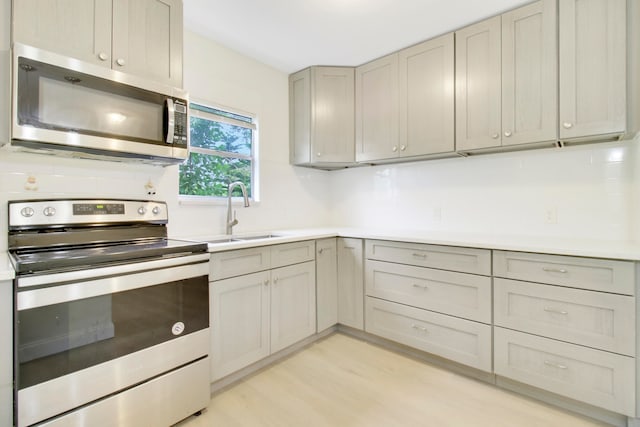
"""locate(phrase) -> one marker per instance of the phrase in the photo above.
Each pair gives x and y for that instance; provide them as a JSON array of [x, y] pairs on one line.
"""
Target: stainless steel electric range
[[111, 316]]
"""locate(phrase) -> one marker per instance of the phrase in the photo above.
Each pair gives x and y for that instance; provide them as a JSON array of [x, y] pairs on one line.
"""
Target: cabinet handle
[[420, 328], [555, 365], [495, 135], [275, 281], [120, 62], [423, 287], [266, 282], [419, 255], [320, 251], [349, 247], [567, 125], [554, 270], [555, 310], [319, 154], [395, 148], [507, 133], [403, 147], [103, 56]]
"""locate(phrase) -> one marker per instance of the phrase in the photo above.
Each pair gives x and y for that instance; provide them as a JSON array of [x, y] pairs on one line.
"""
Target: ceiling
[[292, 34]]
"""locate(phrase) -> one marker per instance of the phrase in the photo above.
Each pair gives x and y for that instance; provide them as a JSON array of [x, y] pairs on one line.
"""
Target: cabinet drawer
[[466, 260], [292, 253], [587, 273], [241, 261], [594, 319], [458, 294], [462, 341], [596, 377]]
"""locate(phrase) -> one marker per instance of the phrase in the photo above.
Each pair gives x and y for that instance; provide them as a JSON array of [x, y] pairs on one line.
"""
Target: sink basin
[[240, 238], [263, 236]]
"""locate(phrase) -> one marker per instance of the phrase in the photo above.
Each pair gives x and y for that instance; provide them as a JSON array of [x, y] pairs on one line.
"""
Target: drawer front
[[292, 253], [466, 260], [462, 341], [586, 273], [596, 377], [594, 319], [239, 262], [458, 294]]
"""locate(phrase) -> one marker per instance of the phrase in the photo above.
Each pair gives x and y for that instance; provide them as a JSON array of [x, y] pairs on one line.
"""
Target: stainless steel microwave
[[63, 105]]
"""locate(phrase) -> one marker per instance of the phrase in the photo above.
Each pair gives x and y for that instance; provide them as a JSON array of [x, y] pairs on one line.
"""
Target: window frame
[[252, 157]]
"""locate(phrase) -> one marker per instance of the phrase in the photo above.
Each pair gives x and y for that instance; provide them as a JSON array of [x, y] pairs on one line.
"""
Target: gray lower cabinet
[[350, 283], [326, 283], [6, 356], [422, 296], [567, 325], [262, 300]]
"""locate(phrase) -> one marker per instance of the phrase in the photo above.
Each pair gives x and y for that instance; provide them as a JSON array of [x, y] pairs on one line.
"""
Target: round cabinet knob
[[49, 211], [155, 210], [103, 56], [142, 210], [27, 212], [567, 125], [266, 283], [395, 148], [403, 147], [319, 154], [320, 251], [507, 133], [495, 135], [120, 62]]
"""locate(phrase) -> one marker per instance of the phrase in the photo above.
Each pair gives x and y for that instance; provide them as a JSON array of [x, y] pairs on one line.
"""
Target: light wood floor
[[344, 382]]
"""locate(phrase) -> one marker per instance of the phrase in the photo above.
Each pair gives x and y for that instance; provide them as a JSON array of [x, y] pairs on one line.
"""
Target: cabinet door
[[293, 304], [333, 139], [77, 28], [326, 283], [377, 109], [147, 39], [478, 83], [300, 117], [239, 313], [426, 74], [529, 74], [592, 67], [350, 283]]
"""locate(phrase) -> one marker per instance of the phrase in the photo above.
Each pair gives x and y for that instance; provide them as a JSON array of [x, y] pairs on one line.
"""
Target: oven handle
[[90, 274], [27, 299]]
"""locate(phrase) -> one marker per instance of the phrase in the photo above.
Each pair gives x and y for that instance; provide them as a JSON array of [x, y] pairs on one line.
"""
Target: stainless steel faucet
[[234, 221]]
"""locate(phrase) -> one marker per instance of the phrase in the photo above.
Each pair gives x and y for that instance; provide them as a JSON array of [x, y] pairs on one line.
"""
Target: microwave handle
[[171, 120]]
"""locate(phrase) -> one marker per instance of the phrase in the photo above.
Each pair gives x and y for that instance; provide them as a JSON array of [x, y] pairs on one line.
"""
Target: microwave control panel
[[181, 128]]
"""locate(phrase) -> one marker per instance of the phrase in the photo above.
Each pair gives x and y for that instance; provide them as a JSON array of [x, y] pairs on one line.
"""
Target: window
[[222, 152]]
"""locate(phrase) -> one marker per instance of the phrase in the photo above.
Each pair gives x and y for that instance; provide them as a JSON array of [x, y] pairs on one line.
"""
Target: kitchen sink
[[241, 238]]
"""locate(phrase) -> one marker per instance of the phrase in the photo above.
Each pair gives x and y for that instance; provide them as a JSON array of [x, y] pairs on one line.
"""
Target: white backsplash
[[575, 192]]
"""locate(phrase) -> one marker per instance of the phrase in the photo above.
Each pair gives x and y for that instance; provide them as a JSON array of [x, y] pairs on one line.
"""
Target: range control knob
[[27, 212], [49, 211], [155, 210], [142, 210]]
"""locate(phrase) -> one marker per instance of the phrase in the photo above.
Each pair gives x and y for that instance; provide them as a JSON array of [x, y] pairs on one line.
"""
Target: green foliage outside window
[[221, 153]]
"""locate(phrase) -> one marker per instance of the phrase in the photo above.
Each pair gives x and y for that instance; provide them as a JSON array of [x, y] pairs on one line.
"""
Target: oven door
[[79, 341]]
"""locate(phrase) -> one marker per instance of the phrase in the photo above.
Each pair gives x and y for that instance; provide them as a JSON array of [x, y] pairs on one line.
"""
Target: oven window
[[59, 339]]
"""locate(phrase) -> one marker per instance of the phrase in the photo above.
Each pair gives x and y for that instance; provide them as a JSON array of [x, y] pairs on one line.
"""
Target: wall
[[290, 197], [586, 192]]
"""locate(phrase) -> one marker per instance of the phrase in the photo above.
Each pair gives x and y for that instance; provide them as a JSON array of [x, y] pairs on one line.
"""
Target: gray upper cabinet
[[321, 117], [592, 68], [426, 73], [377, 109], [141, 37], [506, 79]]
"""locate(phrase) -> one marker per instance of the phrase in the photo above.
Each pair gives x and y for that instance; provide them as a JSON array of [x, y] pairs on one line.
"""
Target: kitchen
[[589, 190]]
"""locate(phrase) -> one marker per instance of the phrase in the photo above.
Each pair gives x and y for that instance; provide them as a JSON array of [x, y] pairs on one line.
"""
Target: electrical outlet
[[551, 215]]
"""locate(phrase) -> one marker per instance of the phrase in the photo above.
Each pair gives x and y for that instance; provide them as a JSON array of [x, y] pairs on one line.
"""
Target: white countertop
[[558, 246], [6, 269]]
